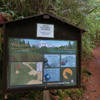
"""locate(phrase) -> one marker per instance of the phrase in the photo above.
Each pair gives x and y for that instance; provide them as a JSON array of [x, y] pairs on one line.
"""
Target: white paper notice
[[39, 66], [45, 30]]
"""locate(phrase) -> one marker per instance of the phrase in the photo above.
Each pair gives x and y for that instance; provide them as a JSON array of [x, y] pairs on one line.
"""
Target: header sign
[[45, 30]]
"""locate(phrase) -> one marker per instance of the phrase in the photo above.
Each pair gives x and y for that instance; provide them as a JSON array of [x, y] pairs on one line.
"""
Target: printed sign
[[40, 62], [39, 66], [45, 30]]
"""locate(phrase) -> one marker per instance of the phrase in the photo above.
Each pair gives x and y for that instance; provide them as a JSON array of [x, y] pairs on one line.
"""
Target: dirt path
[[93, 86], [32, 72]]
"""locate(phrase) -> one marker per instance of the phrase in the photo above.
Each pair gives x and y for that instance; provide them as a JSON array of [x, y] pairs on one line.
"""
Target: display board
[[40, 62]]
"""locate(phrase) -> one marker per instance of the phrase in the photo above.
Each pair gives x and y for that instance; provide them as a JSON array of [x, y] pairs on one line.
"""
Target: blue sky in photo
[[55, 42]]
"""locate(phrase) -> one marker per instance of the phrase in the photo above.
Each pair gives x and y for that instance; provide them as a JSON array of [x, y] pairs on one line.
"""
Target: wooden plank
[[46, 95]]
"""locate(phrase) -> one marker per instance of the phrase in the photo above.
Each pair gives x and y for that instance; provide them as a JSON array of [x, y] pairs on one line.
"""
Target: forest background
[[82, 13]]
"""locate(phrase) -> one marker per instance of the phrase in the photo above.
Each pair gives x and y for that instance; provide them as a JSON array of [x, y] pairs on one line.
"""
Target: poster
[[36, 62]]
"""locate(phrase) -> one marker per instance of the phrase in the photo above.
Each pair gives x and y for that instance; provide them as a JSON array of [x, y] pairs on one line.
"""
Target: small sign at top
[[45, 30]]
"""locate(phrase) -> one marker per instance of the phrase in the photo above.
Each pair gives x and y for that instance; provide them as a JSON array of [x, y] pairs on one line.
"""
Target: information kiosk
[[41, 52]]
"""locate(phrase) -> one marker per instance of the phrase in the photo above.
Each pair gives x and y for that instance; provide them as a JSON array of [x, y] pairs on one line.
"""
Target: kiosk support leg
[[5, 96], [46, 95]]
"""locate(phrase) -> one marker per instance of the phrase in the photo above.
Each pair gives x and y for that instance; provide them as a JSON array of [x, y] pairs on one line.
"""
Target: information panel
[[42, 62]]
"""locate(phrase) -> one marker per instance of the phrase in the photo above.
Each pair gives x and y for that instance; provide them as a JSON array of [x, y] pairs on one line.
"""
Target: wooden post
[[5, 96], [46, 95]]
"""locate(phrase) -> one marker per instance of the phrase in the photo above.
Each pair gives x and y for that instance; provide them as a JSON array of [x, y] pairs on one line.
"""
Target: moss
[[68, 92], [61, 94], [79, 93]]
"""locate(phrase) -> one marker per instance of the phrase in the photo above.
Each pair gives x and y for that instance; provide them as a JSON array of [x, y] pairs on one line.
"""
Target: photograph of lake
[[33, 55]]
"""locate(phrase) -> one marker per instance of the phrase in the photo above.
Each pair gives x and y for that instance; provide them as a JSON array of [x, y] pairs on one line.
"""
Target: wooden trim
[[4, 74]]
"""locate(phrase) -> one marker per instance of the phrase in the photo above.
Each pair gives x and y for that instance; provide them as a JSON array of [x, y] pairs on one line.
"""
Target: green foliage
[[87, 46], [78, 92], [70, 10], [74, 94], [68, 92], [18, 8], [92, 27], [61, 94]]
